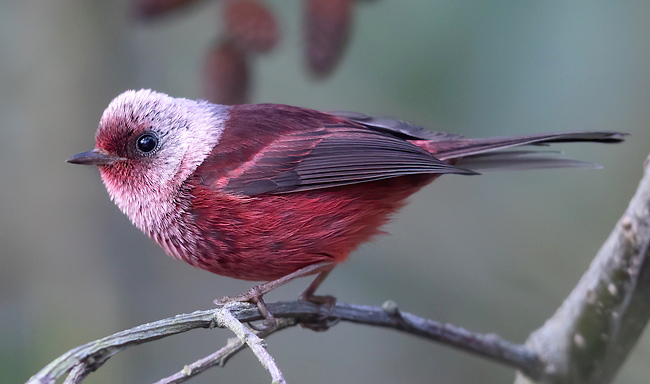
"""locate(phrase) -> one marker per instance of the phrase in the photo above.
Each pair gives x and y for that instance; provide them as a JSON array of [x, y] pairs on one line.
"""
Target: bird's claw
[[254, 296], [322, 321]]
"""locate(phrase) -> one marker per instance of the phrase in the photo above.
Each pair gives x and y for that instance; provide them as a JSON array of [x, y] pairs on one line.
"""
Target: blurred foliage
[[249, 28], [495, 253]]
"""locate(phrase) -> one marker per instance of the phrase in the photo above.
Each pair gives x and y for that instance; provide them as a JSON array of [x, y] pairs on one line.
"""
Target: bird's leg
[[269, 319], [308, 294], [255, 294], [326, 301]]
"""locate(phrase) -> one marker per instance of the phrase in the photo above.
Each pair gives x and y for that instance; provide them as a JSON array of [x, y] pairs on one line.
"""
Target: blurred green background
[[495, 253]]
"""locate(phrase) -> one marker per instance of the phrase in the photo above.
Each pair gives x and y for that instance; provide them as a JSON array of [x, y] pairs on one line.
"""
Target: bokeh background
[[495, 253]]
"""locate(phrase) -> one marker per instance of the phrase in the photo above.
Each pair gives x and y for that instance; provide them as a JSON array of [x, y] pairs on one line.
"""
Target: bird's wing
[[329, 156]]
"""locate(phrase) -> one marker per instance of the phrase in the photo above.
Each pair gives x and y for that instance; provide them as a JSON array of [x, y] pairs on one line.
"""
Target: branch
[[223, 355], [246, 336], [490, 346], [594, 330], [79, 373]]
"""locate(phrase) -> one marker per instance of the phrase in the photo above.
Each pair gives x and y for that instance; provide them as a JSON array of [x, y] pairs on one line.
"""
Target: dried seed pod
[[250, 25], [327, 24], [146, 9], [226, 74]]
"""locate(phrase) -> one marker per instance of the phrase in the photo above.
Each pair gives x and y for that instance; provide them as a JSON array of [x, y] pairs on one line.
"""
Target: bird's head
[[147, 144]]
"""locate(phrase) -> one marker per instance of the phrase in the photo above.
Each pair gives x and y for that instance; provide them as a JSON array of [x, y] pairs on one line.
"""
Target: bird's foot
[[255, 296], [322, 321]]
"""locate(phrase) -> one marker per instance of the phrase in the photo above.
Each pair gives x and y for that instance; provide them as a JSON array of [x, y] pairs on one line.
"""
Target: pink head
[[146, 145]]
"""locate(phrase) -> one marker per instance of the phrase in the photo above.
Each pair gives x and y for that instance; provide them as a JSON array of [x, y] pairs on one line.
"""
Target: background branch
[[597, 326]]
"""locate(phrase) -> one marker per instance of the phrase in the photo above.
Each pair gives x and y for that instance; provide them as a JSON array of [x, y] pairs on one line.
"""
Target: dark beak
[[94, 157]]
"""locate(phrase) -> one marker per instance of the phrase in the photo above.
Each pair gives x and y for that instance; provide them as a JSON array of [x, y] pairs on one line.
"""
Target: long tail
[[492, 153]]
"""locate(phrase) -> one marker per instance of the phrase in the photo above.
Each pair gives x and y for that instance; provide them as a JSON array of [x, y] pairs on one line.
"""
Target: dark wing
[[334, 155], [395, 127]]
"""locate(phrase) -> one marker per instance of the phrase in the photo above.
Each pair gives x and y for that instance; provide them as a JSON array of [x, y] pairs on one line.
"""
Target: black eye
[[146, 143]]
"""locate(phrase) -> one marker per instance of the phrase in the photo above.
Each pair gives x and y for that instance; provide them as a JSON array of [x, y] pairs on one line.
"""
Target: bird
[[271, 192]]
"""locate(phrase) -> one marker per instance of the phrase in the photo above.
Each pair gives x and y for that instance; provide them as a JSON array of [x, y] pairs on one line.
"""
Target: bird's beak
[[94, 157]]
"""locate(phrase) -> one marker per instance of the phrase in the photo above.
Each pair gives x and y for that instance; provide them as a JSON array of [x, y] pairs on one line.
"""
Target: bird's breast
[[270, 236]]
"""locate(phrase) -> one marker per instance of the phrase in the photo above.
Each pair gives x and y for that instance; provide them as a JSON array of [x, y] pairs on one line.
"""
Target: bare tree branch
[[220, 357], [594, 330], [78, 374], [226, 319], [490, 346]]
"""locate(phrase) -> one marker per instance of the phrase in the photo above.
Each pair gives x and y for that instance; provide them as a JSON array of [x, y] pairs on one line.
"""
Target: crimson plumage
[[257, 192]]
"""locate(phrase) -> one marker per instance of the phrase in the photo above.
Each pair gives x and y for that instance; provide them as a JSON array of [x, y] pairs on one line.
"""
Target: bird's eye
[[146, 143]]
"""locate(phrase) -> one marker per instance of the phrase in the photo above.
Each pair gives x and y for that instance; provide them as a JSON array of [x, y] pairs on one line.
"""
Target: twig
[[489, 346], [78, 374], [103, 348], [221, 356], [255, 343]]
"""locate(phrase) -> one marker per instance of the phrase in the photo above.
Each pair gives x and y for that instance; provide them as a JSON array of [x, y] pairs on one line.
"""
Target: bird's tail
[[494, 154]]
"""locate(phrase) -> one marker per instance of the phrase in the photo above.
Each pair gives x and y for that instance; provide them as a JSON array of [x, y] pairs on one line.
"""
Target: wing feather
[[337, 155]]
